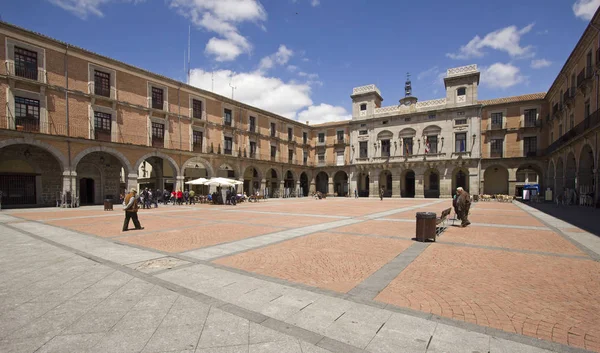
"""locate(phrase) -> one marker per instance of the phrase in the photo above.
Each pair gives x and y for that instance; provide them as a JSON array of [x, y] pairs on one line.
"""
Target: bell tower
[[408, 97]]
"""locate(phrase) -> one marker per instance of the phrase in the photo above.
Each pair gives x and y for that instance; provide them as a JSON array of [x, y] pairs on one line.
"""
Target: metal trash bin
[[425, 226], [108, 206]]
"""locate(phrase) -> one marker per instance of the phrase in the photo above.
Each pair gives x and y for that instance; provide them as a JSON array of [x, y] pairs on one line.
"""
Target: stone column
[[263, 186], [69, 181], [313, 187], [298, 188], [240, 187], [512, 181], [179, 183], [446, 188], [373, 184], [419, 185], [330, 188], [352, 183], [281, 188], [132, 182], [396, 190]]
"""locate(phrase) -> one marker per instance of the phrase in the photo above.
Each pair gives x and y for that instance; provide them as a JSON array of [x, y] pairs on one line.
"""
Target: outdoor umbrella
[[199, 181]]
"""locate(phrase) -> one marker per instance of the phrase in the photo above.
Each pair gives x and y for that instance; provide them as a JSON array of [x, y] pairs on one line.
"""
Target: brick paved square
[[547, 297], [404, 230], [523, 239], [332, 261], [195, 237]]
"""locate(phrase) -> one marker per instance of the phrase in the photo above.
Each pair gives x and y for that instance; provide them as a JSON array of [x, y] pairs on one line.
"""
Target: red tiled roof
[[514, 99]]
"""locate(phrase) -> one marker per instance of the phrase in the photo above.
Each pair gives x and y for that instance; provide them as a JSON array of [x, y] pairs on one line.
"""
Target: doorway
[[409, 184], [86, 191]]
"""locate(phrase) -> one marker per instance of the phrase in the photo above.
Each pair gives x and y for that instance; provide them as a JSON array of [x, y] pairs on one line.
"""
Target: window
[[290, 155], [158, 135], [273, 152], [101, 83], [496, 120], [461, 142], [157, 98], [385, 148], [340, 136], [196, 109], [252, 124], [588, 61], [586, 112], [27, 114], [321, 158], [252, 149], [363, 149], [290, 134], [431, 144], [496, 148], [363, 132], [321, 137], [273, 130], [228, 117], [434, 181], [102, 124], [530, 117], [406, 119], [26, 63], [530, 146], [408, 146], [197, 140], [461, 91], [305, 157], [363, 125], [460, 122], [571, 121], [363, 107], [431, 116], [305, 137], [228, 145]]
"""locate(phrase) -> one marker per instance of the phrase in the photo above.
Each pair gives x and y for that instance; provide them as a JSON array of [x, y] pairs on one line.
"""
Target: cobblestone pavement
[[297, 275]]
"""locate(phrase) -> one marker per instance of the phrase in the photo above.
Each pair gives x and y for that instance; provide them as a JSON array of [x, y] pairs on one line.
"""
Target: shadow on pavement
[[586, 218]]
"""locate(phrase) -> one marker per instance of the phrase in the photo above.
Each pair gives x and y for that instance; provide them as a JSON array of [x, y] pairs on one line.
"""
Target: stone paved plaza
[[297, 275]]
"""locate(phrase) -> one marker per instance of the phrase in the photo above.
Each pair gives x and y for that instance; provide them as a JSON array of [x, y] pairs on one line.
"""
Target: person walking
[[381, 193], [464, 204], [130, 205], [179, 197], [192, 197], [355, 193]]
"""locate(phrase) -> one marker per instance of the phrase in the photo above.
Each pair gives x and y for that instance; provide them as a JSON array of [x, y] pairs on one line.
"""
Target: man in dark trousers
[[130, 205], [463, 204], [381, 193]]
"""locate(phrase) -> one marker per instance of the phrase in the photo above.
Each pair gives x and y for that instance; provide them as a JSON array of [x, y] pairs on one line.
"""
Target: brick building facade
[[78, 122]]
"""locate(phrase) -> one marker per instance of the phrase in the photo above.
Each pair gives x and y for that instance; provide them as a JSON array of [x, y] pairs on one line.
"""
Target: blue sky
[[301, 58]]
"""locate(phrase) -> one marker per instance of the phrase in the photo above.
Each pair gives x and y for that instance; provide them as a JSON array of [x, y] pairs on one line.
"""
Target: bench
[[442, 220]]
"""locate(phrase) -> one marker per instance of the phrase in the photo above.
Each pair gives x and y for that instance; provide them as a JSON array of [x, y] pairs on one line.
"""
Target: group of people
[[147, 197]]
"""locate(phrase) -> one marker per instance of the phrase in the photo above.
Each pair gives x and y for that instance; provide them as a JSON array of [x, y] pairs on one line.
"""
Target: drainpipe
[[66, 63]]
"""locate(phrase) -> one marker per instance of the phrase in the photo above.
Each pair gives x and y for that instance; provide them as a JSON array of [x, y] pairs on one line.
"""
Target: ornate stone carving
[[457, 71], [365, 89], [431, 103]]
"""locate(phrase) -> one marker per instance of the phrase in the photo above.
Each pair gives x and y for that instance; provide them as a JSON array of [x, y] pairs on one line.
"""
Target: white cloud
[[222, 17], [290, 99], [501, 75], [323, 113], [292, 68], [281, 57], [84, 8], [506, 39], [585, 9], [315, 3], [540, 63]]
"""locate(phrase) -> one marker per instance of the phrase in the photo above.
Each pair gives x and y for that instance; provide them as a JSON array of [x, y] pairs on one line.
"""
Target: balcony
[[530, 153], [495, 154], [33, 74], [252, 129], [27, 124], [584, 79], [590, 122], [158, 142], [557, 109], [197, 147], [102, 135], [98, 91], [340, 142], [530, 123], [569, 96]]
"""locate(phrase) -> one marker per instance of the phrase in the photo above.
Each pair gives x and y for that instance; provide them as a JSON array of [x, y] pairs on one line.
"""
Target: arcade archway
[[340, 183]]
